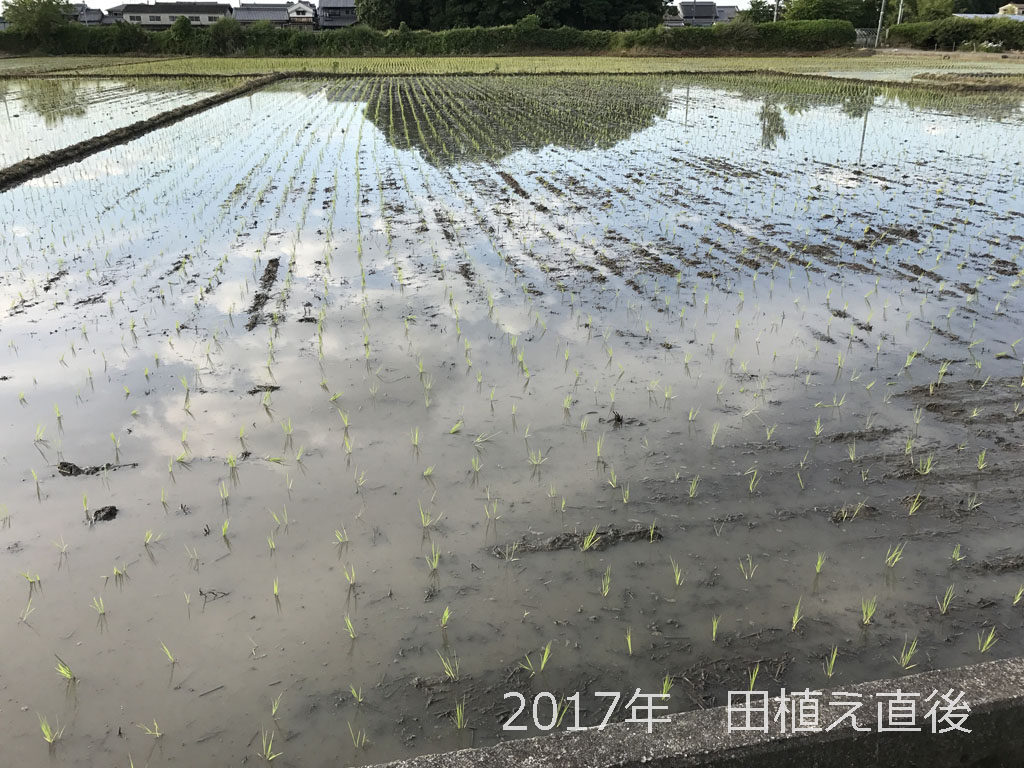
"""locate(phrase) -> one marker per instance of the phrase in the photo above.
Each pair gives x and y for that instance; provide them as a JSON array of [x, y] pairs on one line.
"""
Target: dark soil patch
[[606, 537], [516, 187], [263, 294], [70, 469], [263, 388]]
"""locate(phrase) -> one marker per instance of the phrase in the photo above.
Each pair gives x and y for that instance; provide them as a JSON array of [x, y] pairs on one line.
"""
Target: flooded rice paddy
[[340, 410]]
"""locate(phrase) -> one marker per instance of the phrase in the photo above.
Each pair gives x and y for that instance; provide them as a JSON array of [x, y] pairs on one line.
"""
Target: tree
[[933, 10], [180, 34], [225, 35], [847, 10], [37, 20], [759, 12], [379, 14]]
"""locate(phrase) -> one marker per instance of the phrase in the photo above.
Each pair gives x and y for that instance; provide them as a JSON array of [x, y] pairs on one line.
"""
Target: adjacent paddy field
[[340, 410]]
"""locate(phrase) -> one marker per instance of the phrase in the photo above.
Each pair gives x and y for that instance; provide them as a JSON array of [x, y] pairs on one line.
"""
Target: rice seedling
[[65, 672], [748, 568], [956, 557], [433, 558], [359, 738], [51, 735], [677, 572], [98, 606], [606, 581], [590, 539], [446, 617], [715, 619], [894, 555], [822, 557], [982, 462], [985, 642], [693, 486], [1019, 594], [267, 746], [459, 717], [629, 640], [797, 615], [752, 676], [867, 609], [450, 664], [349, 627], [830, 662], [155, 731], [946, 599], [275, 705], [915, 504], [907, 654], [714, 433]]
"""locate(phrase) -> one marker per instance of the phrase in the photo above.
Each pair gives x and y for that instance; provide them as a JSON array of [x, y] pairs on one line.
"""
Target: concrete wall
[[994, 691]]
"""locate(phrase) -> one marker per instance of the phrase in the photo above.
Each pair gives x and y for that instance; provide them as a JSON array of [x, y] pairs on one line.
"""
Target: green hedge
[[955, 32], [227, 37]]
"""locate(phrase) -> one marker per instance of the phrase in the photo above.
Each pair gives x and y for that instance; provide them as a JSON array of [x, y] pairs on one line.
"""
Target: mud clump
[[104, 514]]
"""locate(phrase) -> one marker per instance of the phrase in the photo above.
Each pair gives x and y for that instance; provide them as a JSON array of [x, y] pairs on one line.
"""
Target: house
[[299, 13], [249, 13], [3, 24], [337, 13], [726, 12], [163, 15], [302, 12], [91, 17], [700, 13], [1012, 9]]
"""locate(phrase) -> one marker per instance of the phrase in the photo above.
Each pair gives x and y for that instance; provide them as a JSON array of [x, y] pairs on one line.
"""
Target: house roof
[[90, 14], [1015, 17], [261, 13], [337, 3], [183, 9]]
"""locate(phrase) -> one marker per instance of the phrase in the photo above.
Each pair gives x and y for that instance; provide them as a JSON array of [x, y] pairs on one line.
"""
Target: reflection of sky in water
[[39, 115]]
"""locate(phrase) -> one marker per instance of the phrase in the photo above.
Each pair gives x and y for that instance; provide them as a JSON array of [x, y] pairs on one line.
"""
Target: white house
[[163, 15]]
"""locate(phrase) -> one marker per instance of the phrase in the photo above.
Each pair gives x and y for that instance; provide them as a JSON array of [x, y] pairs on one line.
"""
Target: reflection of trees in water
[[53, 100], [485, 118], [773, 127], [482, 119], [855, 99]]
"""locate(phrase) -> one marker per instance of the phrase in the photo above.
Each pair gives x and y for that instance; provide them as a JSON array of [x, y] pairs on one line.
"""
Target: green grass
[[878, 67]]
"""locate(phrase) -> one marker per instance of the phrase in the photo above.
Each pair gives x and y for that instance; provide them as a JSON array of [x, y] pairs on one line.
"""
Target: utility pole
[[775, 14], [878, 33], [899, 14]]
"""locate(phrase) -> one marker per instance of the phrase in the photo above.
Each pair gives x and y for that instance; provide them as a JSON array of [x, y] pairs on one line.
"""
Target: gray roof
[[183, 9], [261, 13], [337, 3]]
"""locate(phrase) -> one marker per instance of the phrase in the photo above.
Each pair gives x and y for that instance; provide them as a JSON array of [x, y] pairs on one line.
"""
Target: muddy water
[[718, 277]]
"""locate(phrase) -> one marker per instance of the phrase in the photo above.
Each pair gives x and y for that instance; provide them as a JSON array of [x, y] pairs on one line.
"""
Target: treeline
[[228, 37], [955, 32], [452, 14]]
